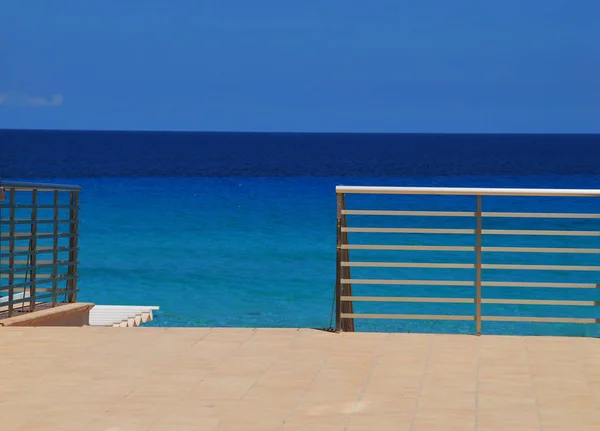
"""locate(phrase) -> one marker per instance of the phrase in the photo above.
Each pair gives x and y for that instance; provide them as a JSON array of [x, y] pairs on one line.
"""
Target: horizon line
[[296, 133]]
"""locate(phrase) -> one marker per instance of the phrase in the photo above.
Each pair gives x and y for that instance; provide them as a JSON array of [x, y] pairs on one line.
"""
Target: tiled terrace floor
[[243, 379]]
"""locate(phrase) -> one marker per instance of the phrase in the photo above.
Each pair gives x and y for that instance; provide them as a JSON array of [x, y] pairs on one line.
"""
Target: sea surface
[[239, 229]]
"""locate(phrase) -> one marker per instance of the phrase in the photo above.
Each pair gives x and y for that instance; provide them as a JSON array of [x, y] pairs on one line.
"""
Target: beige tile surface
[[119, 379]]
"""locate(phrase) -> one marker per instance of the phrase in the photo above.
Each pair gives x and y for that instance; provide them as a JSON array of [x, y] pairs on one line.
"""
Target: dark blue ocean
[[238, 229]]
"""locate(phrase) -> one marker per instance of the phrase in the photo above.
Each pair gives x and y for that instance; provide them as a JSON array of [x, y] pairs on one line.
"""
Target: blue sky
[[513, 66]]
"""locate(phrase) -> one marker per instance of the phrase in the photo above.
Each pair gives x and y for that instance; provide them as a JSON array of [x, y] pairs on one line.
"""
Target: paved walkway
[[103, 379]]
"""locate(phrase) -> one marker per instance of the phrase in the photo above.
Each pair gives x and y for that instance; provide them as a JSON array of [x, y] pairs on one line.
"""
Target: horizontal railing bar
[[410, 213], [407, 299], [39, 206], [49, 289], [407, 230], [409, 265], [36, 298], [472, 231], [38, 276], [41, 266], [470, 191], [470, 249], [38, 289], [30, 186], [540, 215], [539, 302], [27, 235], [539, 319], [409, 282], [407, 247], [24, 251], [466, 318], [22, 236], [26, 248], [25, 262], [541, 232], [39, 281], [539, 284], [39, 221], [471, 283], [540, 250], [405, 316], [541, 267], [472, 214], [467, 300]]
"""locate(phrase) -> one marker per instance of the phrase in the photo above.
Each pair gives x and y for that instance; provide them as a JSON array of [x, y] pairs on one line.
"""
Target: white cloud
[[56, 100], [26, 100]]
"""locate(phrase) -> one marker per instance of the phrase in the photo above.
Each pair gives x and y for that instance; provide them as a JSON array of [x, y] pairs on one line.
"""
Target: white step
[[124, 316], [15, 297]]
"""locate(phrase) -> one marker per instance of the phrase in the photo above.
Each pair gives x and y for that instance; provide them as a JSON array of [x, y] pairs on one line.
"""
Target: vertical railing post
[[55, 247], [33, 250], [11, 251], [478, 258], [338, 266], [73, 245]]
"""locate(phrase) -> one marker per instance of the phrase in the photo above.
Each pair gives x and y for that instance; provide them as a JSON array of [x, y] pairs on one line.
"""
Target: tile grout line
[[583, 373], [533, 391], [210, 331], [85, 350], [212, 371], [260, 376], [427, 360], [135, 387], [368, 379], [477, 383], [242, 344], [177, 356], [312, 381]]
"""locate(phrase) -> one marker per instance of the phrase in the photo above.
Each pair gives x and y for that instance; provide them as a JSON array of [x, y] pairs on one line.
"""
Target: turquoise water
[[261, 252], [239, 229]]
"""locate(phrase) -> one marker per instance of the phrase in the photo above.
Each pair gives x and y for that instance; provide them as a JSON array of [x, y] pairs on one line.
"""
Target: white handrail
[[468, 191], [24, 186]]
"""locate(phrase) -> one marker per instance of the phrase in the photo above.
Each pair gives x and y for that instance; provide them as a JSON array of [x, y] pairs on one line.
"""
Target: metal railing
[[490, 264], [38, 246]]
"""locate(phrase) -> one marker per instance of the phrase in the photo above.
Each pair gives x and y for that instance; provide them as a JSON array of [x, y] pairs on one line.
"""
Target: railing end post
[[478, 263]]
